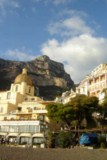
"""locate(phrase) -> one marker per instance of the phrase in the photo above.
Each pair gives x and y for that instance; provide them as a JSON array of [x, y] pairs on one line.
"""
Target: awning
[[12, 134], [3, 134], [25, 135], [38, 135]]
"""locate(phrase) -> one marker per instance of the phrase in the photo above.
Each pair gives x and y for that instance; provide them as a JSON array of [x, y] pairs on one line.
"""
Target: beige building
[[20, 102], [19, 105]]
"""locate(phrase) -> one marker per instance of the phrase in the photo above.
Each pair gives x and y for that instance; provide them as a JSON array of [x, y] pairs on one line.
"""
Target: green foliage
[[102, 141], [76, 110], [103, 109], [83, 106], [54, 111], [60, 113], [64, 139], [51, 140], [104, 103]]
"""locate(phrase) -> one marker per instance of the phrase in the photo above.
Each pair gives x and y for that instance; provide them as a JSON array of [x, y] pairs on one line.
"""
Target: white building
[[23, 132], [65, 97], [91, 85]]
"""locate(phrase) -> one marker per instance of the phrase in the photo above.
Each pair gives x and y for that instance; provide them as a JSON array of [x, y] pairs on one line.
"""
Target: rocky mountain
[[49, 76]]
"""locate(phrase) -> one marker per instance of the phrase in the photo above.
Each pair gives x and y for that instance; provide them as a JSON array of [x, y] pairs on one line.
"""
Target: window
[[24, 128], [29, 109], [8, 95], [16, 88], [38, 140], [32, 99], [19, 109], [1, 109], [25, 140], [26, 99], [29, 89]]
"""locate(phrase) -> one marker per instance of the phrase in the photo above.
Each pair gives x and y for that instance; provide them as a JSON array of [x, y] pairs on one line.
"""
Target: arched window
[[29, 89], [16, 88], [8, 95]]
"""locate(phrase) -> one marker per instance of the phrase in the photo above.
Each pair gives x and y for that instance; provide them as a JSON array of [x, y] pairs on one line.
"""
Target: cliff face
[[49, 76]]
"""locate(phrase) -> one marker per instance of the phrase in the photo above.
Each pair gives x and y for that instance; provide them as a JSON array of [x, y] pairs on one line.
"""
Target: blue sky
[[69, 31]]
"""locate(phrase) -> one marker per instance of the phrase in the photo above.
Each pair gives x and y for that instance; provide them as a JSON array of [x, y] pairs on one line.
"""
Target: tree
[[51, 140], [74, 112], [60, 113], [104, 103], [64, 139], [103, 109], [83, 107]]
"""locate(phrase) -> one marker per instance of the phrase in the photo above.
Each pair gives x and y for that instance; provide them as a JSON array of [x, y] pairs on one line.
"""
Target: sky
[[73, 32]]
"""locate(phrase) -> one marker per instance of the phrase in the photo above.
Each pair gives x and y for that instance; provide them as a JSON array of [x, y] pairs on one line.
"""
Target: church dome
[[23, 77]]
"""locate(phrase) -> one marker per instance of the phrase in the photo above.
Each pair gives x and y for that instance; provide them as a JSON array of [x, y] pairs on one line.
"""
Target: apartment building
[[95, 83]]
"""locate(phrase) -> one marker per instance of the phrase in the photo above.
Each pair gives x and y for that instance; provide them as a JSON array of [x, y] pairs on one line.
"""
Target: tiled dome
[[23, 77]]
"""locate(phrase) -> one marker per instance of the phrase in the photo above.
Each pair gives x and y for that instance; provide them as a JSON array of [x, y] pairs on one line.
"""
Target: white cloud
[[78, 47], [81, 53], [60, 1], [12, 3], [18, 55], [74, 25], [72, 12], [56, 2], [7, 4]]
